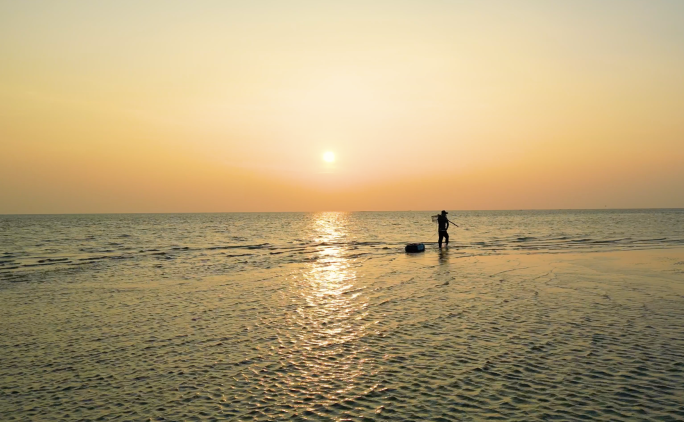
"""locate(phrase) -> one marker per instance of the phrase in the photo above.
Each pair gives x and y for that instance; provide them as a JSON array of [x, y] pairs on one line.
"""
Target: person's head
[[444, 212]]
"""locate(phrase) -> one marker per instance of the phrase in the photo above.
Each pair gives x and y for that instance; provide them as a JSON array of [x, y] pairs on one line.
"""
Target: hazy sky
[[170, 106]]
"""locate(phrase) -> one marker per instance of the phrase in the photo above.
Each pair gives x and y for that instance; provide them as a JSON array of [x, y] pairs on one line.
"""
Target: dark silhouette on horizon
[[442, 227]]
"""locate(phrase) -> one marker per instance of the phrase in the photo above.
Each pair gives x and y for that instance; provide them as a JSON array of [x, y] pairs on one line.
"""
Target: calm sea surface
[[191, 245], [322, 316]]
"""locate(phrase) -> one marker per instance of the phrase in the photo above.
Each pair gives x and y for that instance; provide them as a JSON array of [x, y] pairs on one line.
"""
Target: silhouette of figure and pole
[[442, 227]]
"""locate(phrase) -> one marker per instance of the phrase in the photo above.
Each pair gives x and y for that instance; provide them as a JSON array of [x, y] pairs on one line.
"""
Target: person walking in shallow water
[[442, 227]]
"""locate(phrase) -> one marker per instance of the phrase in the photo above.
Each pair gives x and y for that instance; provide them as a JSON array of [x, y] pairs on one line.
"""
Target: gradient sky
[[201, 106]]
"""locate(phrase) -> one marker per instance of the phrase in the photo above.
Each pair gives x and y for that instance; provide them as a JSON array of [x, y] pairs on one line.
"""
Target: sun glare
[[329, 157]]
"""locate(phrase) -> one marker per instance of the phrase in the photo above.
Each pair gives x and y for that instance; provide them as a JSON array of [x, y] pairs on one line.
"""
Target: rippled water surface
[[322, 316], [190, 245]]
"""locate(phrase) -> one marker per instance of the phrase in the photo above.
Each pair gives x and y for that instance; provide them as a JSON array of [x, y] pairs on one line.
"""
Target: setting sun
[[329, 157]]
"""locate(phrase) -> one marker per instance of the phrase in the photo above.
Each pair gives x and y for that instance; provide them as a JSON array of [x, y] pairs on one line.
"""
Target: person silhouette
[[442, 227]]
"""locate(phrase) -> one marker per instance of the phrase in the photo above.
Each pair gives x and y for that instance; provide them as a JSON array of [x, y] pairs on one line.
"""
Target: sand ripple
[[429, 337]]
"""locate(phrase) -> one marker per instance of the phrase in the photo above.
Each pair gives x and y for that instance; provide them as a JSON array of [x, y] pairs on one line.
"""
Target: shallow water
[[191, 245], [320, 322]]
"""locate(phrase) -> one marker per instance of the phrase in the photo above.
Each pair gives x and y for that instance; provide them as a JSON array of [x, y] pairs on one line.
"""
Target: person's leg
[[446, 236], [441, 235]]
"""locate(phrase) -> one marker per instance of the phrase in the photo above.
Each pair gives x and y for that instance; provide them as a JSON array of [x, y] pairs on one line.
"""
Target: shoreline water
[[52, 247], [399, 336]]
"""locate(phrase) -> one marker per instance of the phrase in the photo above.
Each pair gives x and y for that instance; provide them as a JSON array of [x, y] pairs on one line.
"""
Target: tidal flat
[[433, 336]]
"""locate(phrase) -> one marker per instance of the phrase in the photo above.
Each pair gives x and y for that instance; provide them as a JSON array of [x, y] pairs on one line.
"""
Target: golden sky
[[201, 106]]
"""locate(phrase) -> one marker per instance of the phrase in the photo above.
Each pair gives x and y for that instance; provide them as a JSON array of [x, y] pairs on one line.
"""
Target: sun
[[329, 157]]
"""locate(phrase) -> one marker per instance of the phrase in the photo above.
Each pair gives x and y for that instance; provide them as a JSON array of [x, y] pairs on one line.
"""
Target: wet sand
[[433, 336]]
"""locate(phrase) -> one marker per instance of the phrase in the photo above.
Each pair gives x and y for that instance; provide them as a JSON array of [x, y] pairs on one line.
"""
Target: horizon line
[[344, 211]]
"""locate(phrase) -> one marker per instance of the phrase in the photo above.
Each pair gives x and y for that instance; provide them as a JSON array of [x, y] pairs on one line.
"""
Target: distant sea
[[40, 247], [527, 315]]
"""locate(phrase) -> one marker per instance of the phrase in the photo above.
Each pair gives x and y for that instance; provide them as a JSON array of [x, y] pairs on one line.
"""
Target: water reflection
[[328, 283], [444, 256], [330, 319]]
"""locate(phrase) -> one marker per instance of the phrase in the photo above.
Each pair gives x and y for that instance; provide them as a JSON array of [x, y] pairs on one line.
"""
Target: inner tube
[[414, 247]]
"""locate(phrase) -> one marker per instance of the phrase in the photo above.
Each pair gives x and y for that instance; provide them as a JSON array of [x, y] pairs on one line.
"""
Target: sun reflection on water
[[329, 281], [329, 321]]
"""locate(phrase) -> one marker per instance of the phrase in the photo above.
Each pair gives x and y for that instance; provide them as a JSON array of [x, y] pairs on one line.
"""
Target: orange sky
[[207, 106]]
